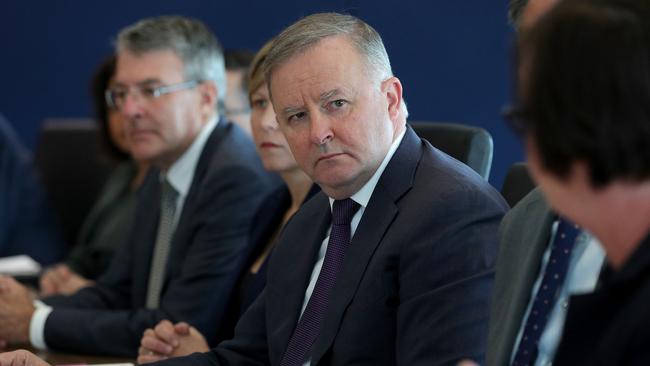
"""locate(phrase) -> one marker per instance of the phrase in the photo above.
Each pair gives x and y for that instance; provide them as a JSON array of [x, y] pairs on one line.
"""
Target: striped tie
[[309, 325], [163, 242]]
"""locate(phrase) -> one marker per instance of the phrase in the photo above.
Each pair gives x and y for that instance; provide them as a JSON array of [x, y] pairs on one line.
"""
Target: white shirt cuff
[[37, 325]]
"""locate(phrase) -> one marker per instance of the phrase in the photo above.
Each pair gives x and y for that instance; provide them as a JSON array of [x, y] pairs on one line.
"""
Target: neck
[[622, 220], [299, 185], [141, 169]]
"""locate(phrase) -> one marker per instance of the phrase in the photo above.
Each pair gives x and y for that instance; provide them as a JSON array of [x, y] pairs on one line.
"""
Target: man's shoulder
[[532, 207], [440, 177]]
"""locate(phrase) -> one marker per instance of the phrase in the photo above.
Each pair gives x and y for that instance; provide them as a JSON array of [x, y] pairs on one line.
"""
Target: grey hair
[[189, 39], [308, 31], [515, 9]]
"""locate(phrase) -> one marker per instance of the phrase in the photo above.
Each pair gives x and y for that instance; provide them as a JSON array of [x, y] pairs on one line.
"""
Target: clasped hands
[[170, 340]]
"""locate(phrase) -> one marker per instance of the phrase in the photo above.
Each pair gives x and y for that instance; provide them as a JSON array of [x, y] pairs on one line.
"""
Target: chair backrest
[[468, 144], [517, 183], [73, 172]]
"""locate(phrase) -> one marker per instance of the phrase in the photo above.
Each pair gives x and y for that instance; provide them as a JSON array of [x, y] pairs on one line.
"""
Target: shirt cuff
[[37, 325]]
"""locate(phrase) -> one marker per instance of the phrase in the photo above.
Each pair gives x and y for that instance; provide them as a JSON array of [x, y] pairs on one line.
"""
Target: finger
[[182, 328], [165, 331], [155, 345]]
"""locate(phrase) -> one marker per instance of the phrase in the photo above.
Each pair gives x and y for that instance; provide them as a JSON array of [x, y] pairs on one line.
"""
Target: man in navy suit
[[193, 210], [401, 270]]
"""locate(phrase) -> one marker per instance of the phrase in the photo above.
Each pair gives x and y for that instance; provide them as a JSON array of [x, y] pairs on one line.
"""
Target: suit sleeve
[[249, 347], [202, 276], [446, 279]]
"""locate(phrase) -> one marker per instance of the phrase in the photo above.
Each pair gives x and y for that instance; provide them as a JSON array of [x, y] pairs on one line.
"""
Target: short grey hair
[[189, 39], [308, 31]]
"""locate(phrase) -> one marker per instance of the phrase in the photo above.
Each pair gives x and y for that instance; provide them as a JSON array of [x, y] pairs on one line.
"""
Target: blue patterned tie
[[554, 275], [309, 324]]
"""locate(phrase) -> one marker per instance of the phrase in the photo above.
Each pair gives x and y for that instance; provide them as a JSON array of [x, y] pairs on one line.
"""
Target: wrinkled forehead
[[332, 63]]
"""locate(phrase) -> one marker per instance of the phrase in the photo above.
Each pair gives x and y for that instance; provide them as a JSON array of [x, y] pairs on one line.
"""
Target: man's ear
[[209, 94], [392, 89]]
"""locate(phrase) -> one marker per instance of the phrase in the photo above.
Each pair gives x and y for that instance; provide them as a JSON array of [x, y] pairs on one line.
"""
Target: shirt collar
[[181, 173], [362, 197]]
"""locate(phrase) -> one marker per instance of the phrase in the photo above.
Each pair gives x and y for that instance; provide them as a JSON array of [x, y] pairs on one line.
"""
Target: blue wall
[[453, 57]]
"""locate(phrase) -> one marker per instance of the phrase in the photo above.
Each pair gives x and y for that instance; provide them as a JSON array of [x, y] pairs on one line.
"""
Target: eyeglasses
[[515, 118], [115, 97]]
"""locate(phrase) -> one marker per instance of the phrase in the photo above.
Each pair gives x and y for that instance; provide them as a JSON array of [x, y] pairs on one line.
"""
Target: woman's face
[[116, 130], [271, 144]]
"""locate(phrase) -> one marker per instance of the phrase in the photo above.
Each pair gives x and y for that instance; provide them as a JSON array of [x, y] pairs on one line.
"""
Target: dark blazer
[[27, 224], [266, 222], [107, 225], [611, 326], [212, 231], [415, 284], [523, 238]]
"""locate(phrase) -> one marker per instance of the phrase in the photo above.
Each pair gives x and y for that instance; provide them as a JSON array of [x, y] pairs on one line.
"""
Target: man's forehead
[[150, 65], [320, 70]]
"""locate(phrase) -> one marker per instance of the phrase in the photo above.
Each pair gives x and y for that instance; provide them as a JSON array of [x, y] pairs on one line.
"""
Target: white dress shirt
[[582, 275], [180, 176], [362, 197]]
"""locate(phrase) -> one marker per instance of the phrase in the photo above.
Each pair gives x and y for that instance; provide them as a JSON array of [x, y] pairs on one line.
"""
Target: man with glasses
[[193, 211]]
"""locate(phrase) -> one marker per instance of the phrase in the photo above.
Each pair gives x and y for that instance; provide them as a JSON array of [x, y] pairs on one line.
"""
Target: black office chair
[[517, 183], [72, 169], [468, 144]]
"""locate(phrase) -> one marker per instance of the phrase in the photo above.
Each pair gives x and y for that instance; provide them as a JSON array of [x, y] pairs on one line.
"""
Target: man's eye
[[119, 93], [149, 91], [297, 117], [338, 103]]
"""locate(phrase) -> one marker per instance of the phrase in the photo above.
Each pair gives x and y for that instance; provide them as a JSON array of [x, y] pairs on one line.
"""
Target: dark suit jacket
[[524, 235], [415, 284], [107, 225], [27, 224], [266, 222], [212, 231], [611, 326]]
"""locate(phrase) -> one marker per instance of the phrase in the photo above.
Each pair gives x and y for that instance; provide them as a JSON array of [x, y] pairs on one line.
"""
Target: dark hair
[[586, 93], [515, 9], [239, 60], [100, 83]]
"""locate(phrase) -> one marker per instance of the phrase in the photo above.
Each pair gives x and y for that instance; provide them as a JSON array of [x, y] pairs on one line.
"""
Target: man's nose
[[321, 129]]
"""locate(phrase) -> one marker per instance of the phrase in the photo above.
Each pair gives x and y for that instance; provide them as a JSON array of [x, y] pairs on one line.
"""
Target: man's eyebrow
[[328, 94], [291, 110], [144, 82]]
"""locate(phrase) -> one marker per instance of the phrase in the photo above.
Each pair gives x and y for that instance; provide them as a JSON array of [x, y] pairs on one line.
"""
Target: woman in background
[[268, 222], [109, 221]]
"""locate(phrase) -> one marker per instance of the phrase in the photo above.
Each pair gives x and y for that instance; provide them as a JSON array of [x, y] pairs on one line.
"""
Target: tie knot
[[343, 211]]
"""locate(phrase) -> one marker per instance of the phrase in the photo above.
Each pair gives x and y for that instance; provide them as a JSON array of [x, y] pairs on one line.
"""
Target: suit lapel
[[184, 225], [148, 201], [534, 240], [296, 258], [382, 208]]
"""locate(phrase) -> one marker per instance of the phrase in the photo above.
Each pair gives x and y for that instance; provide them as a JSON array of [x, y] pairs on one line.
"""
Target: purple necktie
[[554, 275], [309, 324]]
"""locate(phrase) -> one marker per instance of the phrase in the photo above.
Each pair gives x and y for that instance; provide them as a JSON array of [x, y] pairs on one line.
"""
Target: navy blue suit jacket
[[211, 234], [27, 224], [415, 284]]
